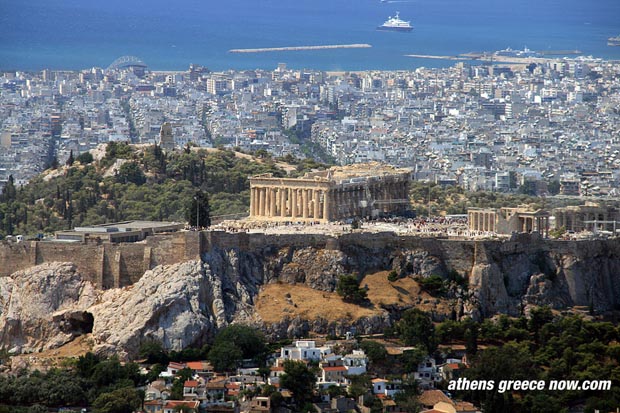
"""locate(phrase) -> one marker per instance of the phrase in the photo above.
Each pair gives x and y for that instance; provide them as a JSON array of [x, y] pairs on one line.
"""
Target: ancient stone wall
[[16, 256], [117, 265], [106, 265]]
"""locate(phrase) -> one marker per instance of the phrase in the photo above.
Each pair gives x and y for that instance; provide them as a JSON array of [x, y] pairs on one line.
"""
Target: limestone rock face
[[174, 305], [489, 290], [233, 280], [44, 307], [184, 304], [318, 269]]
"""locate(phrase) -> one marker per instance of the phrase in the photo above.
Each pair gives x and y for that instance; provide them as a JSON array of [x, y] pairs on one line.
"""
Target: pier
[[494, 58], [296, 48]]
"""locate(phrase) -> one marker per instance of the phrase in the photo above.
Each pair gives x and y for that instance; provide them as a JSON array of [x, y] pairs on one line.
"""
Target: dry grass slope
[[277, 300], [273, 304]]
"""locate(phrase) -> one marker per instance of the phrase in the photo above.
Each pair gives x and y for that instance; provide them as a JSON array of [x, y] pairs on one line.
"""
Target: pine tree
[[9, 192], [198, 212], [71, 159]]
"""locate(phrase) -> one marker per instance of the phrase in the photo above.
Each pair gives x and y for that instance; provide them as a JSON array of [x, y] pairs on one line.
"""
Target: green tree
[[299, 380], [124, 400], [528, 188], [197, 211], [392, 276], [9, 192], [249, 340], [116, 150], [411, 359], [179, 382], [360, 384], [85, 158], [349, 289], [407, 398], [416, 328], [225, 356], [85, 365], [376, 352], [153, 352], [71, 159], [554, 187], [130, 172], [433, 284], [538, 318], [511, 361]]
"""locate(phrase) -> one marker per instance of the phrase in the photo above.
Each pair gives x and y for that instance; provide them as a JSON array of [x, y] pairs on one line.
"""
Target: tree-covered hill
[[133, 183]]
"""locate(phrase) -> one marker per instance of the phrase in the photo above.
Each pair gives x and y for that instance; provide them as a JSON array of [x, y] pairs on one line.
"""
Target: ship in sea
[[613, 41], [396, 24]]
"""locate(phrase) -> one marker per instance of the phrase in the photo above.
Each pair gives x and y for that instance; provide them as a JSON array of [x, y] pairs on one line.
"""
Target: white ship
[[396, 24]]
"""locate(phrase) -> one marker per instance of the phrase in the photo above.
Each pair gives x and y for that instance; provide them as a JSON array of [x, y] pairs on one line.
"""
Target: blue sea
[[167, 35]]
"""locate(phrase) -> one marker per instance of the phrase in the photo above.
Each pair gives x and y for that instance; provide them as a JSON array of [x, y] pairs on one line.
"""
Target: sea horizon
[[76, 35]]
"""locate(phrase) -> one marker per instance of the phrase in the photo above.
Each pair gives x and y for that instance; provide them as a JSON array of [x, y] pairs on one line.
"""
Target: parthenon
[[363, 190]]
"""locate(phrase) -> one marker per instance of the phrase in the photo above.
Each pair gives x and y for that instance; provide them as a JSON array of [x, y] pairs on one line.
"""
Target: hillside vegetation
[[130, 182], [126, 182]]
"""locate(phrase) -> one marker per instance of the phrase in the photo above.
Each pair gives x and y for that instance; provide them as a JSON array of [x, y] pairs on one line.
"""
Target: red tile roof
[[191, 383], [171, 404], [199, 365], [335, 368]]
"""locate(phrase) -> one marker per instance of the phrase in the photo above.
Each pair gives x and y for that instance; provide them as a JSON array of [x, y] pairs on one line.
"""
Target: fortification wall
[[106, 265], [15, 257], [118, 265]]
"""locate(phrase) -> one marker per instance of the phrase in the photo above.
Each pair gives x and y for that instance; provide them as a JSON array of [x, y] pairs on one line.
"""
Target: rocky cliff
[[185, 303], [44, 307]]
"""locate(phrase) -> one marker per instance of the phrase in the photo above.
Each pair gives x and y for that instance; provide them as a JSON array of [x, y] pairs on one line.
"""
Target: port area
[[494, 57], [296, 48]]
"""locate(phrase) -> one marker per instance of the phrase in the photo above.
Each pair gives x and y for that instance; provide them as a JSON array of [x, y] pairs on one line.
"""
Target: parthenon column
[[261, 201], [252, 201], [326, 206], [294, 204], [304, 203], [283, 192], [316, 198], [272, 212]]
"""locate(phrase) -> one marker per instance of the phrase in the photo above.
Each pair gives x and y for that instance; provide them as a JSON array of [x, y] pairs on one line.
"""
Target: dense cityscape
[[483, 127], [335, 287]]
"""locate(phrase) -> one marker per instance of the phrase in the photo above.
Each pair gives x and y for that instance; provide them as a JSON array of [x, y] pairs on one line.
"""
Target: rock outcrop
[[44, 307], [172, 305]]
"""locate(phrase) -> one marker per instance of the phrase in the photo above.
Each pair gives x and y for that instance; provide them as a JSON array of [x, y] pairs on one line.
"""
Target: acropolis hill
[[240, 276], [518, 260]]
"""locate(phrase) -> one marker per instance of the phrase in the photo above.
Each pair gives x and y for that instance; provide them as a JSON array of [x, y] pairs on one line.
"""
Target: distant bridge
[[125, 62]]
